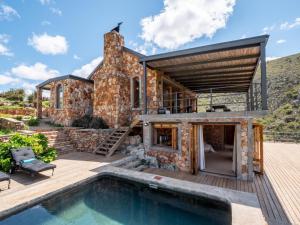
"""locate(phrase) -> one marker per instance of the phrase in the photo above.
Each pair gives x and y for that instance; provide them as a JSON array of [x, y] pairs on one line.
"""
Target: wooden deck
[[71, 167], [278, 190]]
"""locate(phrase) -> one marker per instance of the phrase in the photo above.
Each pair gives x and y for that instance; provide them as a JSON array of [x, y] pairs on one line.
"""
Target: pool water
[[113, 201]]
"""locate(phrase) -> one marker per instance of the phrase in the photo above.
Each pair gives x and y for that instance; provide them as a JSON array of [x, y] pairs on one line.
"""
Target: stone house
[[197, 106]]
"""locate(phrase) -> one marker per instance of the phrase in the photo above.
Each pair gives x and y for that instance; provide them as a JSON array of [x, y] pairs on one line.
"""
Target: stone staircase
[[115, 139], [60, 140]]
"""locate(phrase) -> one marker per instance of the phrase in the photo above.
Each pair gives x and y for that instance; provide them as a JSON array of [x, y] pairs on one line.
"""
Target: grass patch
[[6, 131]]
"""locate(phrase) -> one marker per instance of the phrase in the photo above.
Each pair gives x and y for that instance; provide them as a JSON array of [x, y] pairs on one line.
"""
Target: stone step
[[140, 167], [133, 164]]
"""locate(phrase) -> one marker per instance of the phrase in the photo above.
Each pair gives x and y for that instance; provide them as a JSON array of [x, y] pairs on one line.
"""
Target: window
[[59, 96], [135, 86], [165, 135]]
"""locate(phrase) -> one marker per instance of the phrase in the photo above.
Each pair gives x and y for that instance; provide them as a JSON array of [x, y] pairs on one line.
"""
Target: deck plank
[[278, 190]]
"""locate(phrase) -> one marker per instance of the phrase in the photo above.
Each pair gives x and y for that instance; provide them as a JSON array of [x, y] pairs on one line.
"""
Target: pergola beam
[[213, 76], [209, 69], [233, 80], [226, 59]]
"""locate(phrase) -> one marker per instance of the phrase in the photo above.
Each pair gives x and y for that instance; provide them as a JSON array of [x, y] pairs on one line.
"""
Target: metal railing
[[212, 100]]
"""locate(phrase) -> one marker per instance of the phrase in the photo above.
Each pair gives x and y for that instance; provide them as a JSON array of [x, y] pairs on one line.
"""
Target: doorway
[[215, 148]]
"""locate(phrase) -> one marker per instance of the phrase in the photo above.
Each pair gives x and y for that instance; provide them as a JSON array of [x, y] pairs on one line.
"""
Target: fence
[[282, 136]]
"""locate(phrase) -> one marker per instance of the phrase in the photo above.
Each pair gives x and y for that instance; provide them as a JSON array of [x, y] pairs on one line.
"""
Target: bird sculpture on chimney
[[117, 28]]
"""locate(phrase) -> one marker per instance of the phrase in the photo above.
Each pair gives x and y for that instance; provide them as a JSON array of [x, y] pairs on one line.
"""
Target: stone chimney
[[111, 85], [113, 55]]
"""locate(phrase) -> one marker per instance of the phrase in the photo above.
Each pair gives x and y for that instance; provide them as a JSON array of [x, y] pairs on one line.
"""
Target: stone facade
[[181, 159], [112, 82], [77, 101]]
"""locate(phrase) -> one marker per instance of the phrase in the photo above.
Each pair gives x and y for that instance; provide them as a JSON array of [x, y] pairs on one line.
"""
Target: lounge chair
[[25, 159], [5, 177]]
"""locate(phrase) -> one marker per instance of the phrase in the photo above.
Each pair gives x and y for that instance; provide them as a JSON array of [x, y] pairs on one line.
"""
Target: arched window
[[59, 96], [135, 92]]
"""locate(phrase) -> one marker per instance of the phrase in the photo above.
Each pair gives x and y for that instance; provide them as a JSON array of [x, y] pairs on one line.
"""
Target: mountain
[[283, 94]]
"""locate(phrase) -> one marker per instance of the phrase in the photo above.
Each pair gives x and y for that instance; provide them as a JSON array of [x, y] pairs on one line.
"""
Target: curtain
[[234, 151], [201, 146]]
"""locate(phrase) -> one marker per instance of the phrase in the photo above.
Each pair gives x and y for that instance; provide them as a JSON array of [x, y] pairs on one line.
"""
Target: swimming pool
[[111, 200]]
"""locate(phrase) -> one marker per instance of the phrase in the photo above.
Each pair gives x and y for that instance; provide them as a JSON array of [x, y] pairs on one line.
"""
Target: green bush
[[88, 121], [33, 122], [19, 118], [38, 143]]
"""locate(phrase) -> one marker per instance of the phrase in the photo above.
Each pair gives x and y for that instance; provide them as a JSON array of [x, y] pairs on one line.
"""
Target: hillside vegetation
[[284, 94]]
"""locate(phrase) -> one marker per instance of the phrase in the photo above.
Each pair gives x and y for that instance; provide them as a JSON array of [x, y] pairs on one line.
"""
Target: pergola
[[219, 68]]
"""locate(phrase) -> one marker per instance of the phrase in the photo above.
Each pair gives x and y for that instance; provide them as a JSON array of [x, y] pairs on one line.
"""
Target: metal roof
[[44, 84], [224, 67]]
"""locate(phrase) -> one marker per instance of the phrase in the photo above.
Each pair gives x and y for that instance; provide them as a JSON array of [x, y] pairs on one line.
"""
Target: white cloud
[[181, 22], [4, 38], [7, 12], [4, 50], [38, 71], [281, 41], [76, 57], [47, 44], [29, 87], [86, 69], [288, 26], [56, 11], [45, 2], [270, 58], [146, 48], [268, 29], [7, 79], [45, 23]]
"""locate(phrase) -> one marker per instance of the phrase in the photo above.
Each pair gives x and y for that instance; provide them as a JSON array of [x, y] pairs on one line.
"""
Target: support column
[[39, 100], [264, 94], [251, 97], [145, 89]]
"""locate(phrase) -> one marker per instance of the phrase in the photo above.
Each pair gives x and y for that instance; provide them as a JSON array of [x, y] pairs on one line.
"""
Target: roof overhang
[[46, 84], [223, 67]]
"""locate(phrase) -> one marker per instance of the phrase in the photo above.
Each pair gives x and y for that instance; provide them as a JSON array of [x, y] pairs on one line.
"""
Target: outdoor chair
[[25, 159], [5, 177]]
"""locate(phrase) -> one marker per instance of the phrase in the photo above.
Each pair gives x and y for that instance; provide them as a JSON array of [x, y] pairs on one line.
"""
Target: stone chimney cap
[[117, 28]]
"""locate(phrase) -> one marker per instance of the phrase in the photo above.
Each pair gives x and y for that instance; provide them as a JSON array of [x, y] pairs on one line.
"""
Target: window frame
[[59, 99], [132, 93], [175, 143]]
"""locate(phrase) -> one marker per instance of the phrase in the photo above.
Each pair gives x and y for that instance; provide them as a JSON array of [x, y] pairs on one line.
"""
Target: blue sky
[[40, 39]]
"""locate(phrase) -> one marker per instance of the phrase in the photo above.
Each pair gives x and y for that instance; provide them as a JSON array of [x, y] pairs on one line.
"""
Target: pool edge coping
[[245, 207]]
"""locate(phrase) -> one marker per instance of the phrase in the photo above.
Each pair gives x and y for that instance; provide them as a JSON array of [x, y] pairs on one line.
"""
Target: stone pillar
[[39, 100]]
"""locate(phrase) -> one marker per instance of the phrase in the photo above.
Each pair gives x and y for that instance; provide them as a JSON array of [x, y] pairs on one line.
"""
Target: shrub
[[19, 118], [33, 122], [88, 121], [38, 143], [98, 123]]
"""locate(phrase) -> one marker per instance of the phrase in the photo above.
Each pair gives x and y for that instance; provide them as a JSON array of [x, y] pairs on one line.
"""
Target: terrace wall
[[86, 140]]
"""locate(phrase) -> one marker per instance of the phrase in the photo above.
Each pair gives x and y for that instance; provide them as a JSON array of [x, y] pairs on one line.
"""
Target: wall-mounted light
[[146, 124]]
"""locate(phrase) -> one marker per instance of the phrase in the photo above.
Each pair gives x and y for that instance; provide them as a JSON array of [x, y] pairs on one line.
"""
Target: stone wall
[[12, 124], [112, 82], [214, 135], [180, 159], [86, 140], [77, 101], [19, 111]]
